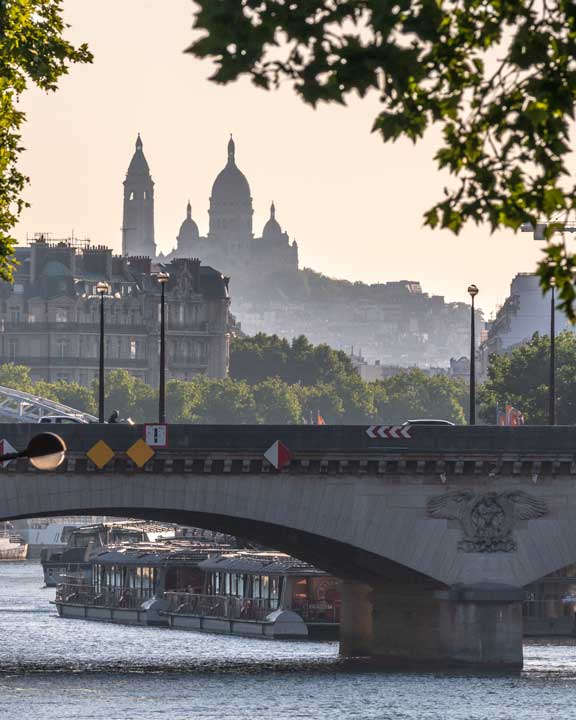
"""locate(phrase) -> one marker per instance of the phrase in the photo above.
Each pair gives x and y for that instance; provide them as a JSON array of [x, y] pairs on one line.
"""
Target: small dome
[[138, 164], [230, 185], [189, 232], [272, 228]]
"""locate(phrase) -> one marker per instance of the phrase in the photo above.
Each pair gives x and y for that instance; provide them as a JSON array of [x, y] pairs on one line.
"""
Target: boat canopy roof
[[156, 554], [143, 526], [258, 563]]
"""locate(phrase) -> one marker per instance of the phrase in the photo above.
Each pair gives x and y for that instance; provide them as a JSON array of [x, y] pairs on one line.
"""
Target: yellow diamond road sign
[[140, 453], [100, 454]]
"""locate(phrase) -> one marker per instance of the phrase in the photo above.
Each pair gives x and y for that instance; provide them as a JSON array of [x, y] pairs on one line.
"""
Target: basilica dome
[[189, 232], [230, 186], [272, 228]]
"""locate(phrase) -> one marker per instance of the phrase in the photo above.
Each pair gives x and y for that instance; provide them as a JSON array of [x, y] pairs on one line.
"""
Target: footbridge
[[20, 406], [435, 535]]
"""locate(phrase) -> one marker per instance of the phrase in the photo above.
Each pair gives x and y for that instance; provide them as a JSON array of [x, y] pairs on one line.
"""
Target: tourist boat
[[259, 593], [84, 541], [127, 581], [204, 586], [50, 535]]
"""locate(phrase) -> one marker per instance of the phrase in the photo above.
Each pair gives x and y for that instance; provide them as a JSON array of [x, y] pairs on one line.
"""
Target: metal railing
[[318, 612], [548, 609], [234, 608], [81, 594], [219, 606]]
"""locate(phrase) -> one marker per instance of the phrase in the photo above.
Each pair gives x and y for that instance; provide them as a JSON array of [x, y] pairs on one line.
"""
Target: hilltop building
[[50, 316], [394, 322], [230, 244]]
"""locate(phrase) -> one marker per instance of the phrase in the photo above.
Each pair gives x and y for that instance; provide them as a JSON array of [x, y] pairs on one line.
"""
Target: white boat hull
[[121, 616], [280, 625]]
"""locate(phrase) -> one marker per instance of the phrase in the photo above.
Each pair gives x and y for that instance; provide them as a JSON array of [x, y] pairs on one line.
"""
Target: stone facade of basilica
[[230, 245]]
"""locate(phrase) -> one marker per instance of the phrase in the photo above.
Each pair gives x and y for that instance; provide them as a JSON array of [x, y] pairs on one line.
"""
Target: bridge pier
[[475, 625], [355, 619]]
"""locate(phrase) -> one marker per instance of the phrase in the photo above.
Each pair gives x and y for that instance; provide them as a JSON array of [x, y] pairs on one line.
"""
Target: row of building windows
[[182, 350], [175, 313]]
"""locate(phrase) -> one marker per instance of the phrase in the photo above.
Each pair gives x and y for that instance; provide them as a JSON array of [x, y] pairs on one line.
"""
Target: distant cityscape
[[229, 282]]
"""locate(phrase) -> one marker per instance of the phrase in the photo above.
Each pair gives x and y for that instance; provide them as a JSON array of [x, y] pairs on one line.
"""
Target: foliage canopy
[[275, 382], [521, 379], [497, 76], [33, 51]]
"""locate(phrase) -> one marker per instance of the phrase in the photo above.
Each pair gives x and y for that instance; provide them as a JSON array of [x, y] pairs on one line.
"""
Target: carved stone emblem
[[487, 519]]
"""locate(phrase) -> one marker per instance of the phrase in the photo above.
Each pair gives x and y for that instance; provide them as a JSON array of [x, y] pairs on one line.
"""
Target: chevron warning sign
[[389, 432], [278, 455]]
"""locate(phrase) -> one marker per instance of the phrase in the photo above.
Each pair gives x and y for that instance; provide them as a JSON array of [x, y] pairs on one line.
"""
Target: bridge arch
[[252, 507]]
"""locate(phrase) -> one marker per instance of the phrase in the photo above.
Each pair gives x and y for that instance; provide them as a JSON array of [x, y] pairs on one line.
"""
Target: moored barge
[[205, 587]]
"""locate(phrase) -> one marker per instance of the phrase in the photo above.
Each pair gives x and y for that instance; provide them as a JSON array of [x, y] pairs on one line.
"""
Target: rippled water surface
[[54, 668]]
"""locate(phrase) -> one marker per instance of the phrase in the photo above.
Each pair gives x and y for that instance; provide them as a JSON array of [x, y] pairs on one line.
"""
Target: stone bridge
[[434, 535]]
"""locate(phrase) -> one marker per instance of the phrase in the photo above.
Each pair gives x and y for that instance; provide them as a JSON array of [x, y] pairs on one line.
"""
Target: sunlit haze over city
[[354, 204]]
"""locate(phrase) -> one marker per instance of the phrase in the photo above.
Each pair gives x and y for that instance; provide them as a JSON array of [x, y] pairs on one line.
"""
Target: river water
[[54, 668]]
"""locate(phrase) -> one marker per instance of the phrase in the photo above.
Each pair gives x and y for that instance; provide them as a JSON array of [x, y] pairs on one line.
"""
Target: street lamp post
[[472, 291], [163, 278], [102, 289], [552, 385]]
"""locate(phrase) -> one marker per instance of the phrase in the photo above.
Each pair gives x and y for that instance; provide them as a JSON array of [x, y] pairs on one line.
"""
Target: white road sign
[[156, 435]]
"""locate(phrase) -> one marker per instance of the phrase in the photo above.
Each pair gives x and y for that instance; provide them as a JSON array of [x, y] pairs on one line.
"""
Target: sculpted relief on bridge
[[487, 519]]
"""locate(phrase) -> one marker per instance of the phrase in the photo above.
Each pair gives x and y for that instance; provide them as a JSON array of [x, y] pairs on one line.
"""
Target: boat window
[[265, 587], [171, 581], [274, 586], [300, 593]]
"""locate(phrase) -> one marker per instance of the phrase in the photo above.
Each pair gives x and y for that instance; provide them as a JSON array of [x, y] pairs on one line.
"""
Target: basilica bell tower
[[138, 218]]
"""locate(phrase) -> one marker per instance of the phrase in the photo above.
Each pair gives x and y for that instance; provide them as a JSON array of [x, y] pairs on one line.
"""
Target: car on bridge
[[428, 421], [63, 420]]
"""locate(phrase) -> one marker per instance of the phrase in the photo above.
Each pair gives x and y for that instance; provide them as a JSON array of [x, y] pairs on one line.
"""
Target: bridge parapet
[[434, 453], [437, 468]]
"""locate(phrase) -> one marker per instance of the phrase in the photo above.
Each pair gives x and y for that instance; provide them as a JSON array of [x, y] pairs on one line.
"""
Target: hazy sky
[[353, 203]]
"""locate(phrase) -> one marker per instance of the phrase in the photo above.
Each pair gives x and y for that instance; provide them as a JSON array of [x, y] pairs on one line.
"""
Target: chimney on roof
[[139, 264]]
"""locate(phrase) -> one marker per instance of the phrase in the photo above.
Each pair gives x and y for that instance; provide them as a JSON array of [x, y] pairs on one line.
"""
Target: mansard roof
[[213, 285]]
